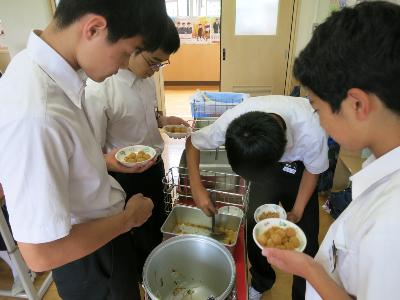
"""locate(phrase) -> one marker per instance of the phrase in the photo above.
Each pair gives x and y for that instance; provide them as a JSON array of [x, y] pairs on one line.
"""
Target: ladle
[[218, 235]]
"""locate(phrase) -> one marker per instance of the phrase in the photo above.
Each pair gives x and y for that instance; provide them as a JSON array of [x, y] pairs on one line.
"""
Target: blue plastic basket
[[214, 104], [225, 97]]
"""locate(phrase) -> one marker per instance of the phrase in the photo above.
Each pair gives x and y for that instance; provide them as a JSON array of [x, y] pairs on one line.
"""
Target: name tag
[[332, 257], [289, 168]]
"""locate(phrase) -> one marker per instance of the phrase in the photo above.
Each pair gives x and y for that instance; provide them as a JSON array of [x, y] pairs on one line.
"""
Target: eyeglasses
[[155, 66]]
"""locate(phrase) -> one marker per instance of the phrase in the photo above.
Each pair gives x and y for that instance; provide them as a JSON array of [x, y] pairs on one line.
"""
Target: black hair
[[171, 42], [355, 47], [254, 142], [125, 18]]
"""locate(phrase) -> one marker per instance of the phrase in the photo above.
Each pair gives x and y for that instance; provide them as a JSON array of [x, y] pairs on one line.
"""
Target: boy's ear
[[94, 26], [360, 103]]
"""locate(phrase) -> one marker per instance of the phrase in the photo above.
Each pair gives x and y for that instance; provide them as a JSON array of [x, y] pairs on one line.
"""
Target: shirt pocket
[[346, 261]]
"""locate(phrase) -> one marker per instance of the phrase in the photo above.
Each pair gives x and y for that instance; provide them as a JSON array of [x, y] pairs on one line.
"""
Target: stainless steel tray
[[190, 220]]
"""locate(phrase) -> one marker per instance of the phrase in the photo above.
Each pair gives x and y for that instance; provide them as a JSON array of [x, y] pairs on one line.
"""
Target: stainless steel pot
[[189, 267]]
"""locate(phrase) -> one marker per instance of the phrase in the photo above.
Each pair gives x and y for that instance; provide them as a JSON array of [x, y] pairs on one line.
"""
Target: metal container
[[224, 189], [191, 220], [215, 160], [189, 267]]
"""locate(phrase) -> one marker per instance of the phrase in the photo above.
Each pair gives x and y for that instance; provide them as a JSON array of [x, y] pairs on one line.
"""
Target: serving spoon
[[218, 235]]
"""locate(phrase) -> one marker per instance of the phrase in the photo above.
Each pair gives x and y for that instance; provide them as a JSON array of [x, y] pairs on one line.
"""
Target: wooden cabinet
[[194, 63]]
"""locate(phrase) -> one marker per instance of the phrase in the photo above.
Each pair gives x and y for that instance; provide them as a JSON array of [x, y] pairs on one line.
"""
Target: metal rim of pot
[[186, 237]]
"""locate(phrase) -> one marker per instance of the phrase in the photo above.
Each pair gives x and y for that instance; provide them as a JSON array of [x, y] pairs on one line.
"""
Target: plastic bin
[[214, 104]]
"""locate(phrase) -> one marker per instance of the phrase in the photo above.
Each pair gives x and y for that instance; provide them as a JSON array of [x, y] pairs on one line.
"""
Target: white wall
[[312, 12], [19, 17], [323, 11], [307, 15]]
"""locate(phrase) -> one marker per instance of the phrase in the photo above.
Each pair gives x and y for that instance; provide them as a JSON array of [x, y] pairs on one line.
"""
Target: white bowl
[[122, 153], [266, 224], [231, 210], [177, 135], [269, 208]]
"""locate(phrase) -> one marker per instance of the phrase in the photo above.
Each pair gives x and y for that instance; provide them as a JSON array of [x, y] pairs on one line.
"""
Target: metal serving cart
[[227, 189]]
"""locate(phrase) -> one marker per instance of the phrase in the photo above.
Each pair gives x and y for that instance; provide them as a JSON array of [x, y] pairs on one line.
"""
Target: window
[[193, 8], [172, 8], [182, 7], [213, 8], [176, 8], [256, 17]]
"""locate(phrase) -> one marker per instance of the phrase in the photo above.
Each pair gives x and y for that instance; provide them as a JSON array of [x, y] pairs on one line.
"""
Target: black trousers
[[107, 274], [146, 237], [280, 186]]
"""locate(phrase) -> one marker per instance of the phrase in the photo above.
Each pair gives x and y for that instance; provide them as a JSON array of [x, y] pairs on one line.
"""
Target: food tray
[[190, 220]]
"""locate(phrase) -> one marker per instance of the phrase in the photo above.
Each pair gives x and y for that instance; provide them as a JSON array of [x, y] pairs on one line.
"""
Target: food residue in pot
[[187, 228], [182, 287]]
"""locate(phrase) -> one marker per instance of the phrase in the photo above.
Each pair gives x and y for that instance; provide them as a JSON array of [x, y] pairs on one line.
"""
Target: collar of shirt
[[127, 76], [70, 81], [374, 170]]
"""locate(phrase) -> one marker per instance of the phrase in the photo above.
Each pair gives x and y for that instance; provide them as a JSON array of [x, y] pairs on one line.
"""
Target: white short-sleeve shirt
[[51, 168], [366, 234], [121, 110], [306, 140]]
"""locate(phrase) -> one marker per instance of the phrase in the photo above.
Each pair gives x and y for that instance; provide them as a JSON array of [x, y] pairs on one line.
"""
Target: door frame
[[290, 81]]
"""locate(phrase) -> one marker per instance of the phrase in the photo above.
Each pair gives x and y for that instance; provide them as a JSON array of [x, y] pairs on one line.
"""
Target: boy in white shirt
[[121, 111], [276, 142], [67, 214], [351, 68]]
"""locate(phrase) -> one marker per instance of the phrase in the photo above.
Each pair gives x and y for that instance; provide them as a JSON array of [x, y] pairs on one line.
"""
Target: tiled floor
[[177, 103]]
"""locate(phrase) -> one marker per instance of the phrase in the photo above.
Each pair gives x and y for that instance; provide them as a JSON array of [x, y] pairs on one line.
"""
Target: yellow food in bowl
[[268, 214], [281, 238], [177, 129], [135, 157]]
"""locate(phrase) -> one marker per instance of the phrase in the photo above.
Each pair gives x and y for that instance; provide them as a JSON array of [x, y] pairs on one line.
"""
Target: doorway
[[228, 54], [196, 65], [255, 42]]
